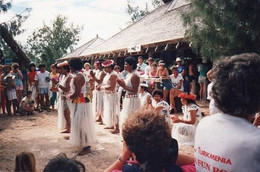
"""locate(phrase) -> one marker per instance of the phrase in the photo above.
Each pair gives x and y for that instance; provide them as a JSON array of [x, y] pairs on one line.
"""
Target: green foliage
[[222, 28], [14, 28], [136, 13], [52, 42], [4, 6]]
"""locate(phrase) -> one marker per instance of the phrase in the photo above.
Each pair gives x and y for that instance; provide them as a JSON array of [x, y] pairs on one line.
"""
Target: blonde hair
[[25, 161]]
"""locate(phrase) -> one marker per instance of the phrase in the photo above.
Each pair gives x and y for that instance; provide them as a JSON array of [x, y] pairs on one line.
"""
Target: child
[[10, 91], [27, 104], [25, 161], [54, 76]]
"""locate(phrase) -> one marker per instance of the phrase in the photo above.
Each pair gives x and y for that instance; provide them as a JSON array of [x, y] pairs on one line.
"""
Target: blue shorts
[[166, 84], [43, 90]]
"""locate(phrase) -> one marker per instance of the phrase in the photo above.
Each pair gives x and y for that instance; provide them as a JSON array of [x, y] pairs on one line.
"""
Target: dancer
[[98, 103], [64, 101], [82, 126], [111, 103], [131, 85]]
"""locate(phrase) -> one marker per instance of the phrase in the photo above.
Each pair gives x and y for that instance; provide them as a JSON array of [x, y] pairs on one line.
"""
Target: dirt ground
[[39, 134]]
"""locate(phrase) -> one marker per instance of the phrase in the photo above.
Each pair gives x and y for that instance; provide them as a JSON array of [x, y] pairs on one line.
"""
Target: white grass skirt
[[98, 102], [184, 133], [82, 126], [129, 106], [111, 109], [61, 118]]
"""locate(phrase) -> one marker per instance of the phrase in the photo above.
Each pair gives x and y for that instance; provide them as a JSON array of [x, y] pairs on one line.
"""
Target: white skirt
[[33, 90], [111, 109], [184, 133], [61, 118], [98, 103], [11, 94], [129, 106], [82, 126]]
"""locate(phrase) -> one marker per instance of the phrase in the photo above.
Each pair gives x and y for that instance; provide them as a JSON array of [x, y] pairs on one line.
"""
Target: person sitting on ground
[[148, 140], [144, 93], [184, 129], [159, 105], [25, 161], [63, 163], [27, 104], [229, 136]]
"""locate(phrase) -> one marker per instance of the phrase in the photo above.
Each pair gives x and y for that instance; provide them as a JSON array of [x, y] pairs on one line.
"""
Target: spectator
[[177, 87], [144, 94], [148, 68], [10, 91], [54, 76], [229, 135], [203, 68], [147, 137], [42, 85], [18, 77], [31, 82], [25, 161], [63, 163], [2, 89], [141, 65], [27, 104], [166, 82]]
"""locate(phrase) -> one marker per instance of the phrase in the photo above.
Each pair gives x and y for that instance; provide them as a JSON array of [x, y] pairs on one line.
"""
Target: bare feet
[[66, 137], [109, 128], [66, 131], [85, 151], [116, 131]]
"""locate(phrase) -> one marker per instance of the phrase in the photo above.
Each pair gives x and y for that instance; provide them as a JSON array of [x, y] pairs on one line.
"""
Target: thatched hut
[[159, 34]]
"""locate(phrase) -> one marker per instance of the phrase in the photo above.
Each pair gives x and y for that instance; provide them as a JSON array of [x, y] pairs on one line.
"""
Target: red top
[[31, 76]]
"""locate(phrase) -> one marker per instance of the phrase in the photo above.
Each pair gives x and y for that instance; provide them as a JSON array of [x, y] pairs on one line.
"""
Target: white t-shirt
[[142, 67], [41, 78], [143, 98], [227, 143], [147, 70], [176, 81]]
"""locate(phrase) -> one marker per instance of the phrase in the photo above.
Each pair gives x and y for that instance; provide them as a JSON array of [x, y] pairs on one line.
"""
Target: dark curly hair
[[157, 92], [236, 81], [62, 163], [131, 61], [76, 64], [147, 135]]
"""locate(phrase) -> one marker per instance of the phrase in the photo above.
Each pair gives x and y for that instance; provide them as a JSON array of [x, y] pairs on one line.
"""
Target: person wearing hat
[[144, 93], [166, 82], [98, 103], [111, 103], [64, 101], [148, 68], [184, 129]]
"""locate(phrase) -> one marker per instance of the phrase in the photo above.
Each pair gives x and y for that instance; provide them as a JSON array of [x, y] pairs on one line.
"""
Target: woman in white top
[[82, 126], [184, 129], [177, 86], [131, 84], [111, 103]]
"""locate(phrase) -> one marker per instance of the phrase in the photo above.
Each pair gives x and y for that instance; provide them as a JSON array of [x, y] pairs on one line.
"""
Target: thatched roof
[[162, 26], [84, 48]]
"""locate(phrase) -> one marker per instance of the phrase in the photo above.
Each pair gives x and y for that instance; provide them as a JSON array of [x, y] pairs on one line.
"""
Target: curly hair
[[62, 163], [236, 83], [76, 64], [131, 61], [147, 135], [157, 92]]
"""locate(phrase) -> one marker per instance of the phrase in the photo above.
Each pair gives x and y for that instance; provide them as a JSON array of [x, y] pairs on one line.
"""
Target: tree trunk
[[8, 38]]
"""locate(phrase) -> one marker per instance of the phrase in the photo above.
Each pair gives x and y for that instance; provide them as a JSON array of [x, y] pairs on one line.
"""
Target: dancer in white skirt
[[98, 102], [82, 126], [64, 102], [131, 101], [111, 103]]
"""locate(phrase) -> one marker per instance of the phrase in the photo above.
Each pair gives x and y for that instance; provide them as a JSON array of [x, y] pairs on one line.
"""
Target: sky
[[102, 17]]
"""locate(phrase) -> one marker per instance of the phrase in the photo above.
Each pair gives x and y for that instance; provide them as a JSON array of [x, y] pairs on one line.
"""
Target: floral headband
[[187, 96], [108, 63]]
